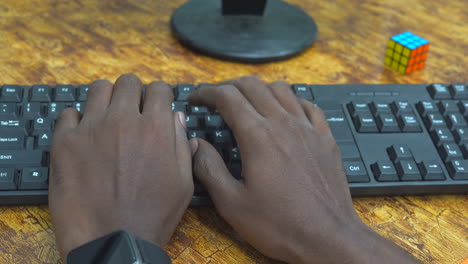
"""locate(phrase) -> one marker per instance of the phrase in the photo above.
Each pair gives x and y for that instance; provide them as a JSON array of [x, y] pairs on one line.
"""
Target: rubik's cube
[[406, 52]]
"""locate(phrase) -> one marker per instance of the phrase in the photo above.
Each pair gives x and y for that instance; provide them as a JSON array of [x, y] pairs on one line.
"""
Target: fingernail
[[182, 120], [193, 145]]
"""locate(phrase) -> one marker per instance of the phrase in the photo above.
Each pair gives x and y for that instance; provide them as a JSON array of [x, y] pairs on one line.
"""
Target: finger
[[209, 168], [183, 153], [127, 93], [68, 119], [99, 96], [258, 94], [316, 116], [235, 109], [158, 99], [285, 96]]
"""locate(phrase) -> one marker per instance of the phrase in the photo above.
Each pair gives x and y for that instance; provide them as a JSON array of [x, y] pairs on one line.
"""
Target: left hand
[[119, 168]]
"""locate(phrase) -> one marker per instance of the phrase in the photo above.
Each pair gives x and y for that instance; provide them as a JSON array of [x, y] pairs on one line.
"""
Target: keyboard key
[[213, 121], [44, 140], [463, 106], [450, 152], [401, 107], [40, 93], [458, 91], [399, 152], [13, 124], [365, 123], [20, 158], [83, 93], [34, 179], [455, 120], [234, 154], [458, 169], [349, 152], [439, 91], [54, 110], [199, 110], [409, 123], [183, 91], [384, 171], [339, 126], [408, 171], [178, 106], [303, 91], [448, 106], [221, 136], [441, 136], [11, 140], [40, 125], [8, 110], [357, 107], [11, 93], [32, 110], [7, 179], [196, 134], [235, 169], [426, 107], [387, 123], [380, 108], [431, 171], [80, 107], [355, 171], [192, 121], [461, 135], [434, 121], [64, 93]]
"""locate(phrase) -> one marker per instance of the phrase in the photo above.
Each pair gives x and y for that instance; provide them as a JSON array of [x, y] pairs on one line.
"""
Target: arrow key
[[431, 171], [384, 171], [408, 171]]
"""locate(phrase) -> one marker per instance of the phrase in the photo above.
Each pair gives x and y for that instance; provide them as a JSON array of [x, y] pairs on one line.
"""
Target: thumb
[[210, 170]]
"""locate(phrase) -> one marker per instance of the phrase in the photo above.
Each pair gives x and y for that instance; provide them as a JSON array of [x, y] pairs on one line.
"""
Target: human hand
[[119, 168], [294, 203]]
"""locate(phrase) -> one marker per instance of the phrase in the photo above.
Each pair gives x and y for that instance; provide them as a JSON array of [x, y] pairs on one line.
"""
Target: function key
[[183, 91], [11, 93], [384, 171], [64, 93], [358, 107], [400, 107], [439, 91], [7, 179], [380, 108], [408, 171], [40, 93], [409, 123], [303, 91], [82, 93], [399, 152], [458, 91], [387, 123], [431, 171], [448, 106], [355, 171], [426, 107], [365, 123], [458, 169]]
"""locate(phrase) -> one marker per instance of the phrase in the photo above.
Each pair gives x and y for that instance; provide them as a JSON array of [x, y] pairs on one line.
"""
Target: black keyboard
[[395, 139]]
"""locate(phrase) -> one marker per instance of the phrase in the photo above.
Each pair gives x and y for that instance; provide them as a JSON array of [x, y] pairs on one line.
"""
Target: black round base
[[283, 31]]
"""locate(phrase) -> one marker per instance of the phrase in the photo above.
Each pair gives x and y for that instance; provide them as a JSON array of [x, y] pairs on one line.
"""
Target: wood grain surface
[[78, 41]]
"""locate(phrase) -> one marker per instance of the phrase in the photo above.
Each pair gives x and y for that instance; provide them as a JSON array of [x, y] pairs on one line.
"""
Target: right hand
[[294, 203]]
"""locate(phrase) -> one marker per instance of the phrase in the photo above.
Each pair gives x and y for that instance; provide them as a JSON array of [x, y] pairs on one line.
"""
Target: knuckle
[[100, 83]]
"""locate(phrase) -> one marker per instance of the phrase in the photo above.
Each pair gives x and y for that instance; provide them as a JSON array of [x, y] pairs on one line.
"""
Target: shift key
[[339, 126], [20, 158]]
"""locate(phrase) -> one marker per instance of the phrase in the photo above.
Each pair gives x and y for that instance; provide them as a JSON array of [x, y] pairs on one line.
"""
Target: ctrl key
[[355, 171], [34, 179], [7, 179]]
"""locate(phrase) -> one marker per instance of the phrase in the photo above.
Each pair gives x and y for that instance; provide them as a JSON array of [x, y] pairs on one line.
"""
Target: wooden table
[[58, 41]]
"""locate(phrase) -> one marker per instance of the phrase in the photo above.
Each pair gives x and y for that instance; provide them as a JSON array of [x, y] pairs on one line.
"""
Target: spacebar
[[17, 158]]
